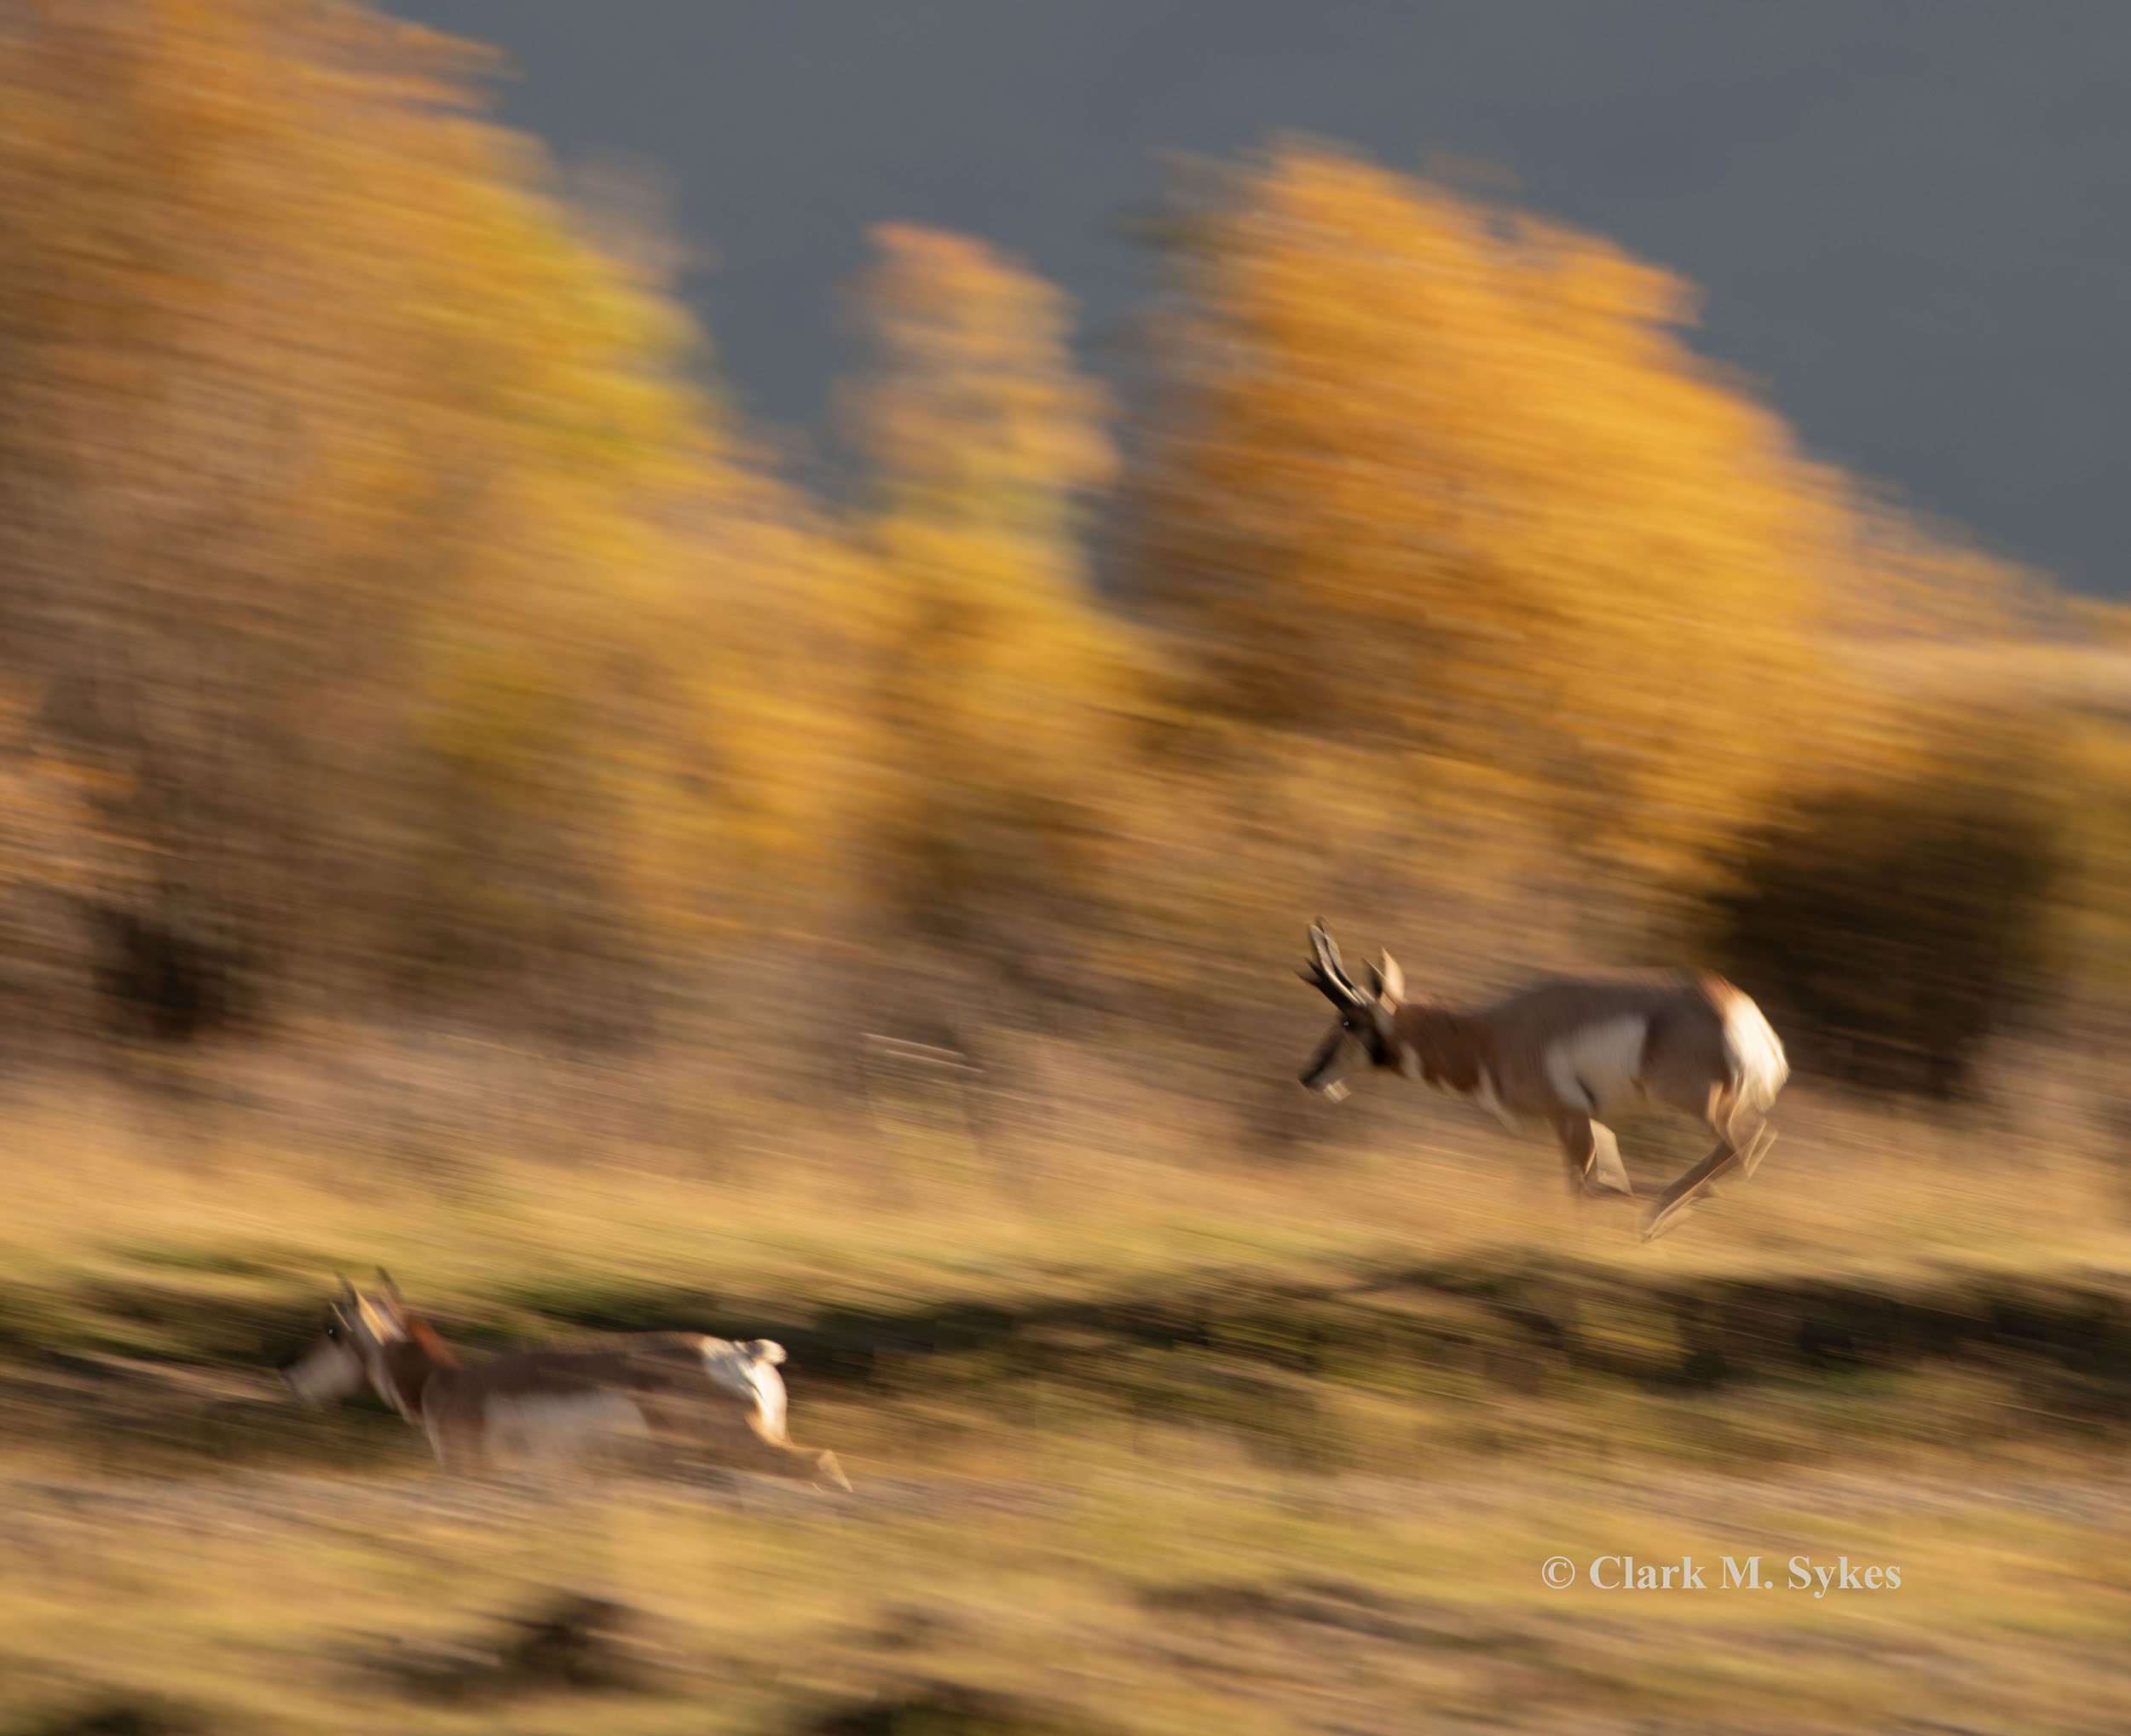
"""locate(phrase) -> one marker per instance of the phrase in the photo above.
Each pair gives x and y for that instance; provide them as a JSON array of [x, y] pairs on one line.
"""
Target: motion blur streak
[[463, 805]]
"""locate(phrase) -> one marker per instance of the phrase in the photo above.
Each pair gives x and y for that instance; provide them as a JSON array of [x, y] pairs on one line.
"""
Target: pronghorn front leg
[[1593, 1155], [460, 1440]]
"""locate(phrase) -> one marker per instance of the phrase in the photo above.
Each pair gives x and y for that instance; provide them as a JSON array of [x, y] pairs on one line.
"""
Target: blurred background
[[474, 798]]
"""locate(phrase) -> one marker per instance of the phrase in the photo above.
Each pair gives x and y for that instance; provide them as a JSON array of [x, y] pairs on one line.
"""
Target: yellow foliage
[[1009, 691], [1441, 478], [973, 409], [50, 835], [59, 857], [379, 498], [360, 511]]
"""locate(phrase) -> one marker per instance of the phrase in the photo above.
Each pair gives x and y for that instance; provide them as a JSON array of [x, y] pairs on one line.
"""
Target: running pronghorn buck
[[726, 1399], [1568, 1051]]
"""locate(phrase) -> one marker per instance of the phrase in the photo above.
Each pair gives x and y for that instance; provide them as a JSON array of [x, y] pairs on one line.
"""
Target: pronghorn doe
[[1567, 1051], [726, 1399]]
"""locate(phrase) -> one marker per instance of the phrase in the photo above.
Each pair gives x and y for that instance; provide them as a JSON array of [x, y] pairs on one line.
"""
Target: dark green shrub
[[947, 1708], [1889, 931]]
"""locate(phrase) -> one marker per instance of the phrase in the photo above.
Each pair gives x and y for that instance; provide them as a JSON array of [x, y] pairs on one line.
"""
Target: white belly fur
[[1599, 1067], [560, 1424]]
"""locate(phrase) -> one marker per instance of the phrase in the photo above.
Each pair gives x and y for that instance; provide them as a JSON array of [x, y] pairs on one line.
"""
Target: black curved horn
[[1327, 973]]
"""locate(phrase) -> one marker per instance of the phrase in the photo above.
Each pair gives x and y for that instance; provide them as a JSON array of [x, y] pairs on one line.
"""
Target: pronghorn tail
[[1755, 1053]]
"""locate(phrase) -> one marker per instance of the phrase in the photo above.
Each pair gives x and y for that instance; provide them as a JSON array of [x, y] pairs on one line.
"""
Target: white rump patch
[[1758, 1061], [749, 1371], [1599, 1066], [538, 1424]]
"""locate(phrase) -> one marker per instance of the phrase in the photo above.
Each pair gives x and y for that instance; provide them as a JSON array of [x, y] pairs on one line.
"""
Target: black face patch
[[1373, 1038]]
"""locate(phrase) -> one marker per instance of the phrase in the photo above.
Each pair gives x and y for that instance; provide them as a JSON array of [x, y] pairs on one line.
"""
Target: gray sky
[[1912, 218]]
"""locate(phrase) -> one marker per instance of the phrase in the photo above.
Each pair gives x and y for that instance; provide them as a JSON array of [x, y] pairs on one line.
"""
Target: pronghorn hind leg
[[1680, 1196], [1593, 1156], [1700, 1181], [1742, 1140], [747, 1445], [797, 1464], [1763, 1137]]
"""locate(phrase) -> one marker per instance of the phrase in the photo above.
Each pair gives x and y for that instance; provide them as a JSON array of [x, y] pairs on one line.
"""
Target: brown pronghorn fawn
[[1564, 1052], [724, 1399]]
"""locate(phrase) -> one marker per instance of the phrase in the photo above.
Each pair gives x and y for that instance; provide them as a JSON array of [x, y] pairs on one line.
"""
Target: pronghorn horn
[[1327, 948], [391, 1289], [1328, 974], [1325, 985]]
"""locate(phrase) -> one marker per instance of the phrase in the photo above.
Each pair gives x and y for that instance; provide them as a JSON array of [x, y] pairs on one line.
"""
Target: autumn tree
[[1441, 482], [356, 510], [1009, 692]]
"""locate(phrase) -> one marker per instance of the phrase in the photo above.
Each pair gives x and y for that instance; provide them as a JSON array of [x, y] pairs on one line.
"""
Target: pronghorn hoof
[[1666, 1218], [1756, 1152]]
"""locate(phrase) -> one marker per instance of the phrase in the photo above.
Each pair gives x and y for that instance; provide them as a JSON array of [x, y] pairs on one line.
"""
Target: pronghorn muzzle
[[1336, 1056], [329, 1369]]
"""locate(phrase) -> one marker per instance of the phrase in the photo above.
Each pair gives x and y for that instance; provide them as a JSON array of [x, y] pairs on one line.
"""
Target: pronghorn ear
[[374, 1320], [765, 1350], [1390, 982]]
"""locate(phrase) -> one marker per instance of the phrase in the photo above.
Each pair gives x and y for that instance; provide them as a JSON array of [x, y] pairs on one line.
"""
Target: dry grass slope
[[1147, 1436]]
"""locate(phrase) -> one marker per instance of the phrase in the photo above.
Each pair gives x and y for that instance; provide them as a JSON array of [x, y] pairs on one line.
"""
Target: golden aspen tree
[[358, 508], [1008, 690], [1440, 481]]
